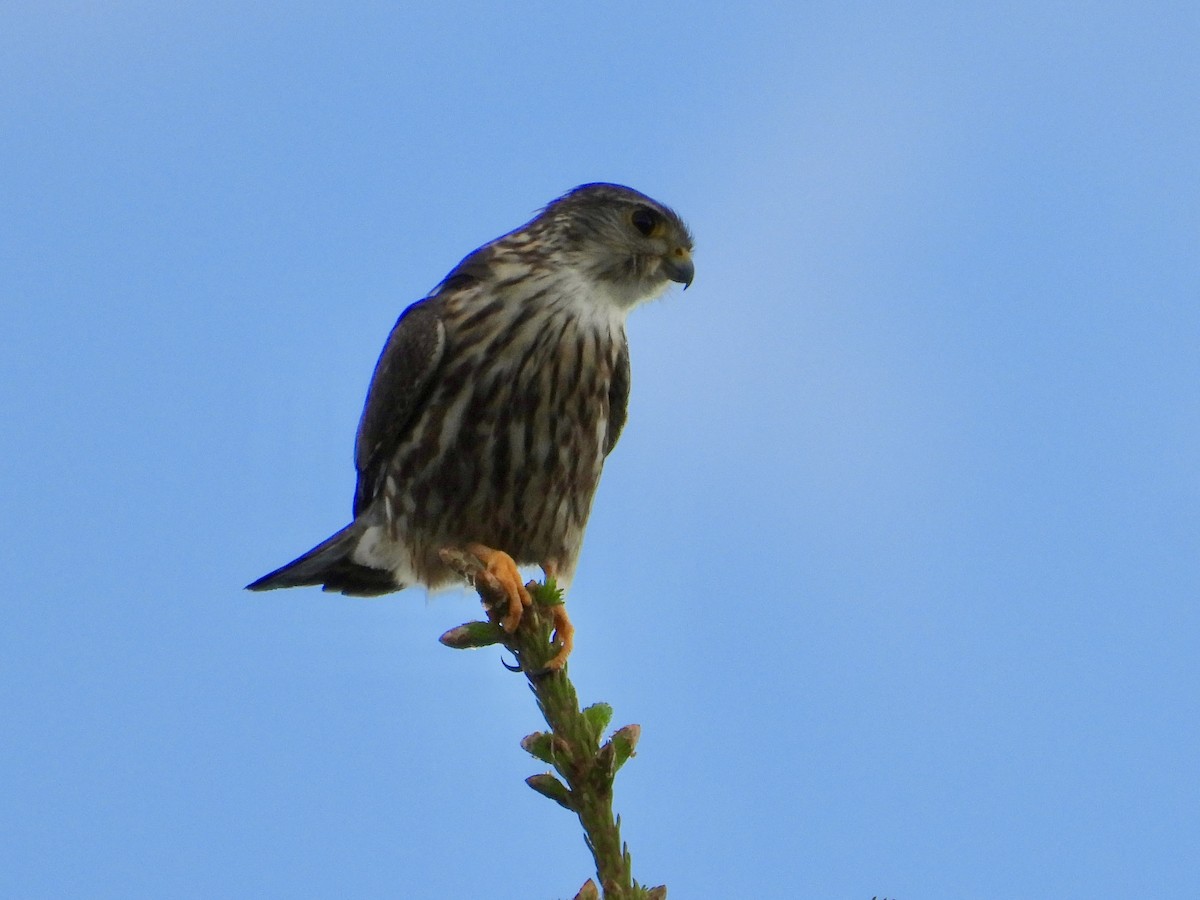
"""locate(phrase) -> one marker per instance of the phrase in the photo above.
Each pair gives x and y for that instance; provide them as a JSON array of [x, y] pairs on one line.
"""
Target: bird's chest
[[543, 413], [515, 434]]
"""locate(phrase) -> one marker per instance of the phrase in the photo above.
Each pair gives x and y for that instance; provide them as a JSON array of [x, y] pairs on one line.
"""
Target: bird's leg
[[564, 631], [503, 568]]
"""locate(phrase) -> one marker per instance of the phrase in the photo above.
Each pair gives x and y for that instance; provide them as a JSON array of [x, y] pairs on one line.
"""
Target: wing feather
[[406, 368], [618, 397]]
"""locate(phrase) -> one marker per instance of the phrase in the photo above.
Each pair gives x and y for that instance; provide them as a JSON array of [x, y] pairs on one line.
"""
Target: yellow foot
[[502, 567], [564, 634]]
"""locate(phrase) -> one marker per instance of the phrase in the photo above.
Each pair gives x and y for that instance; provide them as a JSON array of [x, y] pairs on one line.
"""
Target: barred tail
[[330, 565]]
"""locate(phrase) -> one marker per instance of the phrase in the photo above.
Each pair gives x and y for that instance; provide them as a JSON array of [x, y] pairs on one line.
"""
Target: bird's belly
[[512, 463]]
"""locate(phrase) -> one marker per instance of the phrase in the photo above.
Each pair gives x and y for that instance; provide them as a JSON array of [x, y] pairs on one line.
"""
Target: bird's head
[[632, 245]]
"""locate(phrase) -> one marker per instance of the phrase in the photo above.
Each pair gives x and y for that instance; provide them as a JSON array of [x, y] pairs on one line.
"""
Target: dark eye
[[644, 220]]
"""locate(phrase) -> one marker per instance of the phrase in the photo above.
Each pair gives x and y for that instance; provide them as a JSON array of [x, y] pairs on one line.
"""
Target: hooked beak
[[677, 265]]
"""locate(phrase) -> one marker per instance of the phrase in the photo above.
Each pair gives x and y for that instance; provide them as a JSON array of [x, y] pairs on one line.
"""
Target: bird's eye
[[644, 220]]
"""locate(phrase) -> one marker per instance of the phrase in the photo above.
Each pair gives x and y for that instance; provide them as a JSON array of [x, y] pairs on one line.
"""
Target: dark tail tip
[[330, 566], [268, 582]]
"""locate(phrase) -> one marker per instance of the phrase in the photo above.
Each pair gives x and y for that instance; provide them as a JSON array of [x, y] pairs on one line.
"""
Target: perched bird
[[495, 402]]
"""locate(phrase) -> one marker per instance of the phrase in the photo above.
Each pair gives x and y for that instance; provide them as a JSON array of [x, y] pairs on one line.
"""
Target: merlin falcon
[[495, 402]]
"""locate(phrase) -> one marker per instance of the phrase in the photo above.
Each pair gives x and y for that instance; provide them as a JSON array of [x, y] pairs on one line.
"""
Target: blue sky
[[896, 563]]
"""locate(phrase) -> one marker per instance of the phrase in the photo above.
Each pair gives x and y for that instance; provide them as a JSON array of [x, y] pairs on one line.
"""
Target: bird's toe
[[503, 568]]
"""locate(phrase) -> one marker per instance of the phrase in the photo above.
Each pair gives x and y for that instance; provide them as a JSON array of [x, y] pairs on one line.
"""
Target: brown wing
[[406, 368], [618, 397]]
